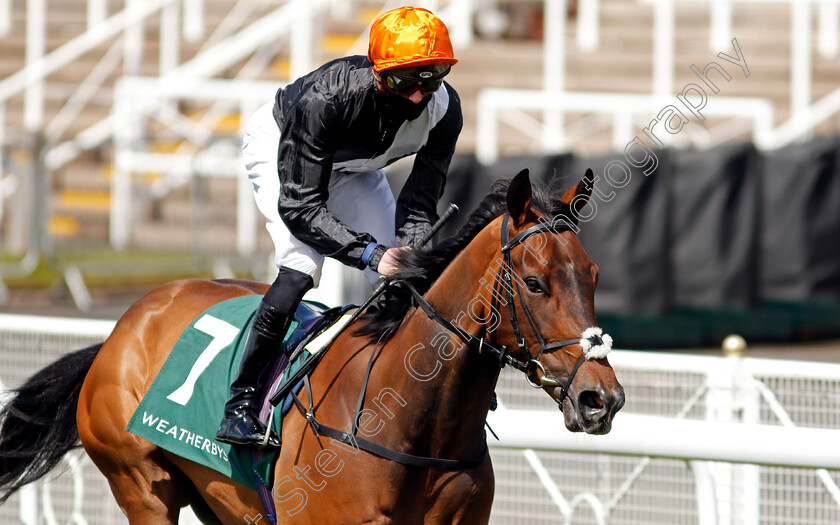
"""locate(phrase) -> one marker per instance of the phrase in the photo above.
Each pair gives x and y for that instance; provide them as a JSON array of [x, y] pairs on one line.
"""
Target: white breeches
[[362, 201]]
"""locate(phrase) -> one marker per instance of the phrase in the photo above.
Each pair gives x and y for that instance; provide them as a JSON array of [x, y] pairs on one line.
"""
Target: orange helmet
[[409, 36]]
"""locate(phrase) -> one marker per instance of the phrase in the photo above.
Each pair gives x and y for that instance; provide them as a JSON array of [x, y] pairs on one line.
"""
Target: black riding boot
[[241, 425]]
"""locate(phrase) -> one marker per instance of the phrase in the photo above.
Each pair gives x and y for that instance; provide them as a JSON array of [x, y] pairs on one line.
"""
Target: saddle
[[312, 327], [311, 318]]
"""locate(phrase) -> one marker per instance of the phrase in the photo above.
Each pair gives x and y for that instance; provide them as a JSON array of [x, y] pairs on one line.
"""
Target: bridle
[[505, 278], [591, 341]]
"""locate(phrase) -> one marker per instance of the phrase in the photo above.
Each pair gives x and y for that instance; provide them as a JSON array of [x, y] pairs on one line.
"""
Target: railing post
[[36, 26], [487, 122], [663, 48], [301, 41], [38, 197], [193, 20], [622, 129], [3, 180], [124, 122], [246, 217], [720, 25], [800, 49], [554, 69], [588, 27], [5, 17], [720, 407], [746, 479], [704, 488], [246, 214], [459, 21], [827, 41], [133, 41], [28, 505], [170, 38], [15, 182], [97, 11]]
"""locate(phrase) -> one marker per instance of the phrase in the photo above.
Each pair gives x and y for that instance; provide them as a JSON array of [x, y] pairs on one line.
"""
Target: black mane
[[422, 266]]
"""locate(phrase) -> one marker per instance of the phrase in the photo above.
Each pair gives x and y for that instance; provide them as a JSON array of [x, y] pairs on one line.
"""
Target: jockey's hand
[[388, 265]]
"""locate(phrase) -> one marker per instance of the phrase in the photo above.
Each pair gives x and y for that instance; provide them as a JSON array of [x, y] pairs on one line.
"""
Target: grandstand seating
[[621, 63]]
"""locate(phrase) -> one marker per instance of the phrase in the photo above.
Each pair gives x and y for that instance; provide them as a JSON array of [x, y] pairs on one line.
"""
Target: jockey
[[315, 156]]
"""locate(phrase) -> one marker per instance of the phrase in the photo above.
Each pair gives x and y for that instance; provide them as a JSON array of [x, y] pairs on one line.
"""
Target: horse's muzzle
[[592, 411]]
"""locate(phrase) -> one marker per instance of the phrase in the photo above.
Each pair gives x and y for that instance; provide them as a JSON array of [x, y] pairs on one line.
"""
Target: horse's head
[[547, 300]]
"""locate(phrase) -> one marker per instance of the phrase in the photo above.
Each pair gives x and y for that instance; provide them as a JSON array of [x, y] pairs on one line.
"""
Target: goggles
[[405, 80]]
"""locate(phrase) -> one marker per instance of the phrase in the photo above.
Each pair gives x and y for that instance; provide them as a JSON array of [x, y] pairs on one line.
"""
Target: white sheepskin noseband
[[595, 343]]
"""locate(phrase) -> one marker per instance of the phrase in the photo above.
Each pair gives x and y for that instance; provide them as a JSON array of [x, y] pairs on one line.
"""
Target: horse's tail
[[38, 420]]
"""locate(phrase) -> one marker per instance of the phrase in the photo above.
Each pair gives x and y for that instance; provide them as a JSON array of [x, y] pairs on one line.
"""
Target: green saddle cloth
[[182, 410]]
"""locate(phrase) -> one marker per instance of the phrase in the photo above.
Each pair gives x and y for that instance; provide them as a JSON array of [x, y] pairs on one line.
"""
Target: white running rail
[[702, 440]]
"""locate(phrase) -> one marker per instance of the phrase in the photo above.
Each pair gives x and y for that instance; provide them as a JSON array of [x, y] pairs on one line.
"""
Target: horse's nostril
[[590, 399]]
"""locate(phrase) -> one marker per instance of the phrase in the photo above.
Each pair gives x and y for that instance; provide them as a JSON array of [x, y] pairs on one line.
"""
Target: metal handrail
[[552, 132], [209, 62], [39, 69]]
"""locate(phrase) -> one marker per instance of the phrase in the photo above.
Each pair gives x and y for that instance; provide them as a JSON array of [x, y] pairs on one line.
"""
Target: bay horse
[[428, 372]]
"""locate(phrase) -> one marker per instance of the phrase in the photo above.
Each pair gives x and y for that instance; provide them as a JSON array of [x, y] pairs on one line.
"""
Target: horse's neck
[[451, 384]]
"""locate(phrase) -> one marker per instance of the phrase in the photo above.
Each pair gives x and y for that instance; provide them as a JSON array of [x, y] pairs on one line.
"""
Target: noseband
[[595, 344]]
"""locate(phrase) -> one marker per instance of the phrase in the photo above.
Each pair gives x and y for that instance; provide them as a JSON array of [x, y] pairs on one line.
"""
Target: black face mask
[[403, 107]]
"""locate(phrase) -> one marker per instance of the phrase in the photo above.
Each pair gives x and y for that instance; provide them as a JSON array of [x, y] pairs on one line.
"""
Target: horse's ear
[[577, 197], [519, 198]]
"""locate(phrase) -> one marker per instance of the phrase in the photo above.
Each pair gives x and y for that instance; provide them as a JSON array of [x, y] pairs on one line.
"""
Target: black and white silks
[[335, 121]]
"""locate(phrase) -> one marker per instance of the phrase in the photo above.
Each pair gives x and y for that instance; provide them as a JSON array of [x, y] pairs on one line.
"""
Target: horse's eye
[[534, 285]]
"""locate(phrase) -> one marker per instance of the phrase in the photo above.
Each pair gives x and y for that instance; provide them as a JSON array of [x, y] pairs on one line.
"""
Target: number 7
[[223, 334]]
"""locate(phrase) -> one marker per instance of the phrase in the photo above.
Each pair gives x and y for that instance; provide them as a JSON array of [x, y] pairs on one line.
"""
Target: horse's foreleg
[[461, 498]]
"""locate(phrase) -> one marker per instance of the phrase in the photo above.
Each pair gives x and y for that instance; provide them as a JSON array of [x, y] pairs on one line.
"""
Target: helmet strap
[[380, 83]]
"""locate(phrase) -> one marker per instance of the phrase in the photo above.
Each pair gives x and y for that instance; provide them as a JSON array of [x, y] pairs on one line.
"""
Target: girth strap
[[379, 450], [395, 455]]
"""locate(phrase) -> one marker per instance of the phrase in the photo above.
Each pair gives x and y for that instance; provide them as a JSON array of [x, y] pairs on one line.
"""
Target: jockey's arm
[[417, 203], [304, 165]]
